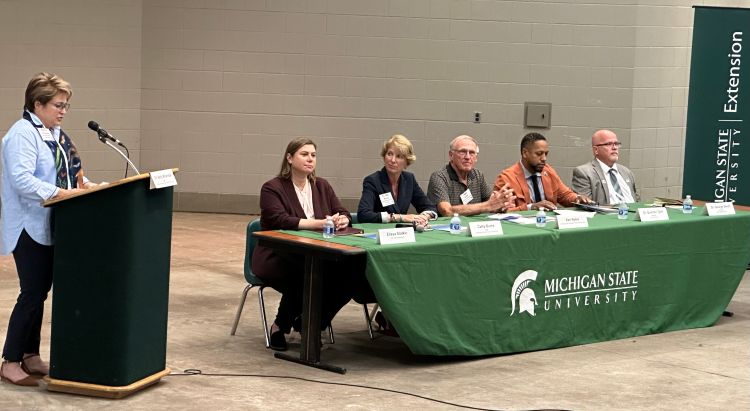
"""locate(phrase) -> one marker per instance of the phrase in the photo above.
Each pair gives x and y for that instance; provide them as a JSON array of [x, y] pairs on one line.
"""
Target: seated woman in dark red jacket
[[297, 200]]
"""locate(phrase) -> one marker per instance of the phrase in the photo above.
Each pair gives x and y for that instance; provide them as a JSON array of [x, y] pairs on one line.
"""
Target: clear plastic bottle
[[541, 218], [687, 205], [328, 228], [455, 224], [622, 211]]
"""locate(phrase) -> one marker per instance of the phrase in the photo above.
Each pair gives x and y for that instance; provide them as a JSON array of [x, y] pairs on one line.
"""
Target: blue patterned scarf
[[73, 166]]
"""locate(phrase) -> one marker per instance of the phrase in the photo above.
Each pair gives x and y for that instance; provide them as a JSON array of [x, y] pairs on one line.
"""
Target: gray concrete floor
[[702, 369]]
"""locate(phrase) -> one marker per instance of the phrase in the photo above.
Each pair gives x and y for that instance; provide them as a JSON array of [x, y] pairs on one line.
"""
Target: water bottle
[[328, 228], [687, 205], [541, 218], [455, 224], [622, 211]]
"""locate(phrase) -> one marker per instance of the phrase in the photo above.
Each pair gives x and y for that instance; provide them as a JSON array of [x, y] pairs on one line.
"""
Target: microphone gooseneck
[[104, 136]]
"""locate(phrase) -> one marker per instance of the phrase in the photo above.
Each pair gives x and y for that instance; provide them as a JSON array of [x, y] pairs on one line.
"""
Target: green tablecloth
[[455, 295]]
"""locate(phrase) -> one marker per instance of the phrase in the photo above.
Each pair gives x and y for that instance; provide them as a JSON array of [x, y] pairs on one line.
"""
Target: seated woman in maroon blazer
[[298, 200]]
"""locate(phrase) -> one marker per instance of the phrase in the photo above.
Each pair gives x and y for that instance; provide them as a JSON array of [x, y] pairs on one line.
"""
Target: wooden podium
[[110, 288]]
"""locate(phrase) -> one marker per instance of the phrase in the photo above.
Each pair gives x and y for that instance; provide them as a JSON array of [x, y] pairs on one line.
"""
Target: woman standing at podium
[[40, 162], [298, 200]]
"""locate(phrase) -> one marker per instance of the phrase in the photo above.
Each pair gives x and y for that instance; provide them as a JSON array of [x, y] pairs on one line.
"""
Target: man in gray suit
[[603, 180]]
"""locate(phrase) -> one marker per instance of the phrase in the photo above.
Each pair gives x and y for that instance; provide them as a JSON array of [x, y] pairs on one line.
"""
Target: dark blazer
[[589, 180], [409, 193], [280, 210]]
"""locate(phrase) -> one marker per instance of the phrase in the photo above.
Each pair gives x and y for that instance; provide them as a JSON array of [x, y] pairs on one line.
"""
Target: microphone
[[104, 136], [103, 133]]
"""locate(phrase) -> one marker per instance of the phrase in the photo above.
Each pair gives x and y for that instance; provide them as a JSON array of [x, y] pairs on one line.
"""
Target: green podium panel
[[111, 284]]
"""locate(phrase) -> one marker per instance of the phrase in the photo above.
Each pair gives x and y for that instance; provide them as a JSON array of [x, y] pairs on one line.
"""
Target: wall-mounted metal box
[[536, 115]]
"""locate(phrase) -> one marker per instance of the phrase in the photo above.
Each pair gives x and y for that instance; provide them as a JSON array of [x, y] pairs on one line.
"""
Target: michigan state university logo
[[523, 294]]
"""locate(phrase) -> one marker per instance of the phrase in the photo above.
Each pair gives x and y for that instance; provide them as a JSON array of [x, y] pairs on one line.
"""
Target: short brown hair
[[402, 145], [43, 87], [291, 148]]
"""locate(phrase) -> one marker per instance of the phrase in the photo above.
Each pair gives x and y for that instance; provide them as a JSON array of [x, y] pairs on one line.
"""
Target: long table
[[536, 288]]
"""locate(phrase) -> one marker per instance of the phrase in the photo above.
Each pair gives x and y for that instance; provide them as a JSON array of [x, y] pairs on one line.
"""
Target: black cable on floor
[[194, 371]]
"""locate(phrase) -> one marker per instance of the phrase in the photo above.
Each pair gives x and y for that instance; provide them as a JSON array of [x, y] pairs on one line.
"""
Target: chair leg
[[368, 320], [239, 308], [263, 319], [330, 334], [375, 308]]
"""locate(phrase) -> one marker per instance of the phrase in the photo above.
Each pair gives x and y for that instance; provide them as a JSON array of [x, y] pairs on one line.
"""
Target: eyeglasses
[[464, 153], [62, 106], [610, 144]]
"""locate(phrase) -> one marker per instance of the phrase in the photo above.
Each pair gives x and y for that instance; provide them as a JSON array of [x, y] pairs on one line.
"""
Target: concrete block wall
[[243, 78], [96, 46], [218, 88]]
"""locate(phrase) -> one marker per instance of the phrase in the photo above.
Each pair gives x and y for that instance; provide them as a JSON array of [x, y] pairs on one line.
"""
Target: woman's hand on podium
[[91, 184], [64, 193]]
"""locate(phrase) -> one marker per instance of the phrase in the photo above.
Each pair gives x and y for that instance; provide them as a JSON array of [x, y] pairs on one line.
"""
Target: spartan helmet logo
[[521, 292]]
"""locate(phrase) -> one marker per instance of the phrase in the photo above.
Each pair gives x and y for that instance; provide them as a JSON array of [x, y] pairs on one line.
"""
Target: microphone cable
[[127, 153], [198, 372]]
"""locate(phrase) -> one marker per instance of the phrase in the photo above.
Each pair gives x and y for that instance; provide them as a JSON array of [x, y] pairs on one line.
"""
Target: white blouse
[[305, 199]]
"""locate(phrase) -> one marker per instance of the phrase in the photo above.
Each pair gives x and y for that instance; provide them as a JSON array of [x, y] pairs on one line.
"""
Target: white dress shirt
[[615, 198]]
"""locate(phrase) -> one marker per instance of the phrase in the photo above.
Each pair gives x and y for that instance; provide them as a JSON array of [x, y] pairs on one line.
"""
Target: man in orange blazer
[[524, 178]]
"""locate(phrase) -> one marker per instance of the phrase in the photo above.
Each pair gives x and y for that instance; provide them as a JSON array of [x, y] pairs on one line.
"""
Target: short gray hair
[[463, 137]]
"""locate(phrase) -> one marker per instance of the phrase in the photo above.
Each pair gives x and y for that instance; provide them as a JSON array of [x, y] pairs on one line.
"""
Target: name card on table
[[722, 208], [396, 235], [572, 221], [485, 228], [162, 178], [652, 214]]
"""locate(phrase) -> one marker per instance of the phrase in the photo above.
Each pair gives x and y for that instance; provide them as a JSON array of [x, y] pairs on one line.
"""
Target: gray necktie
[[613, 180]]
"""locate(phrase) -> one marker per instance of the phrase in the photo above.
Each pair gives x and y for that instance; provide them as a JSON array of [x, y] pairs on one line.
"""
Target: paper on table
[[504, 216], [447, 228], [588, 214], [529, 220], [524, 220], [659, 201], [596, 208]]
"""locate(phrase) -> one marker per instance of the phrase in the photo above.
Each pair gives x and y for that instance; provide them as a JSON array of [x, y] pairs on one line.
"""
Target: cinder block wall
[[217, 88], [96, 46]]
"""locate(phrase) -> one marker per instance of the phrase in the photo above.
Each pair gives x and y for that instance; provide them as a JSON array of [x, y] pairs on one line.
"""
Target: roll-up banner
[[717, 140]]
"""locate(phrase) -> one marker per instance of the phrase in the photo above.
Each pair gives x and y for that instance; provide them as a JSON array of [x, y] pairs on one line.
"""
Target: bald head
[[603, 136], [606, 147]]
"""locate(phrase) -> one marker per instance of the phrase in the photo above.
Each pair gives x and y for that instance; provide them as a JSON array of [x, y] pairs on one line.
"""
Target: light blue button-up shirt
[[28, 179]]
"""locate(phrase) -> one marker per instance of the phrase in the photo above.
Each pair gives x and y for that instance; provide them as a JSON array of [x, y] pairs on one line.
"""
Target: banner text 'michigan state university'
[[717, 149]]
